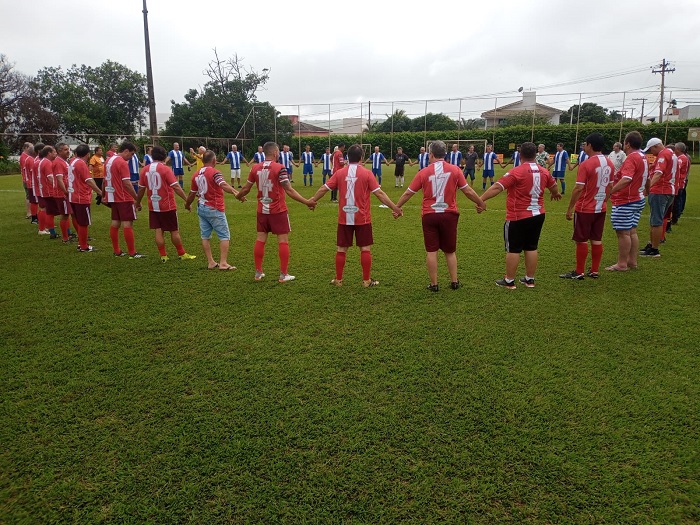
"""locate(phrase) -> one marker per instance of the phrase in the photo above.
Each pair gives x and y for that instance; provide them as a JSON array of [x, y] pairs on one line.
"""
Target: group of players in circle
[[55, 184]]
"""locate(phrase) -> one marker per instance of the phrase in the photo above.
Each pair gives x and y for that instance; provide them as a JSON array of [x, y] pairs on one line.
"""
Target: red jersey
[[60, 170], [525, 185], [159, 179], [23, 167], [269, 177], [207, 183], [636, 169], [78, 175], [683, 165], [116, 172], [439, 182], [338, 160], [667, 164], [35, 177], [356, 183], [595, 175], [29, 168], [44, 177]]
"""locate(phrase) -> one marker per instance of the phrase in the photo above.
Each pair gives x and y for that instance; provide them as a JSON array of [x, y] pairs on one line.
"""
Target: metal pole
[[149, 78], [391, 142], [299, 127], [622, 116], [495, 121], [329, 125], [275, 114], [532, 132], [578, 117], [425, 123], [459, 121], [361, 125], [254, 134]]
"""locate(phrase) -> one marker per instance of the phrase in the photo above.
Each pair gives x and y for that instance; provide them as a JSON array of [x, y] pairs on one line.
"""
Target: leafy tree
[[433, 122], [109, 99], [13, 89], [524, 118], [590, 112], [397, 122], [473, 123]]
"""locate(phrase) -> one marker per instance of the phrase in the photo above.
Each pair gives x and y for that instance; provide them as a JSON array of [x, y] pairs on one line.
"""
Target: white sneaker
[[259, 275], [44, 232], [285, 278]]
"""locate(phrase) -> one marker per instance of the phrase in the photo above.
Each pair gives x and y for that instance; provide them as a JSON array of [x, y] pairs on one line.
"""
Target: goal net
[[366, 150], [463, 144]]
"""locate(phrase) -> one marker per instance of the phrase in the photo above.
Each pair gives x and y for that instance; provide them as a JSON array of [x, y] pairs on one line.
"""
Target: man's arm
[[494, 190], [578, 189], [177, 189], [386, 201], [228, 189], [61, 185], [294, 194], [91, 183], [140, 195], [190, 198], [244, 191], [404, 198], [126, 182], [654, 178], [474, 197], [554, 191], [319, 193], [621, 184]]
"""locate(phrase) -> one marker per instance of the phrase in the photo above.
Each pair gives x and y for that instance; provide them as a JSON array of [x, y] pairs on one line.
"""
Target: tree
[[473, 123], [110, 99], [524, 118], [397, 122], [13, 89], [590, 112], [433, 122], [224, 105]]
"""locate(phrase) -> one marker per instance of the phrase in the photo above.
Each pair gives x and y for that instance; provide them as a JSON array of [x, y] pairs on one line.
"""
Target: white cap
[[652, 142]]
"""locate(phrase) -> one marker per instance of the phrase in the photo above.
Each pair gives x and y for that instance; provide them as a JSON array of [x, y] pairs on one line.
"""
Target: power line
[[665, 68]]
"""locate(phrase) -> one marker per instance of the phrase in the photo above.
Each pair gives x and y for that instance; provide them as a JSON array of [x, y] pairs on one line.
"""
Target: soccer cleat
[[187, 257], [503, 283], [67, 241], [337, 282], [647, 247], [53, 235], [164, 258], [455, 285], [44, 232], [530, 283], [592, 274], [88, 249], [35, 221], [572, 275], [433, 288], [120, 254], [651, 252], [369, 283], [259, 276], [285, 278], [137, 255], [72, 236]]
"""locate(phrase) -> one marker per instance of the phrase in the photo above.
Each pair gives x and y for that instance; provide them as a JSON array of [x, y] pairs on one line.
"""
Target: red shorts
[[41, 201], [276, 223], [363, 235], [440, 232], [31, 197], [123, 211], [588, 226], [81, 212], [57, 206], [163, 220]]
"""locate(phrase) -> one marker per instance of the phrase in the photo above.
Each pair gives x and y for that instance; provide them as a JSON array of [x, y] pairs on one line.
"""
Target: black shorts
[[399, 171], [523, 235]]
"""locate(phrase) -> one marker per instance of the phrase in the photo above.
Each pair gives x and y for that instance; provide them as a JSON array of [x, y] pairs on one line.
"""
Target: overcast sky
[[376, 51]]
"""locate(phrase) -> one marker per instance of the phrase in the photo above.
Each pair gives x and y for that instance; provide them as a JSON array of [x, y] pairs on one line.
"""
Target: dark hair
[[596, 141], [528, 151], [97, 148], [38, 147], [341, 145], [82, 150], [560, 144], [127, 146], [355, 153], [158, 153], [269, 148], [208, 156], [45, 151], [634, 139]]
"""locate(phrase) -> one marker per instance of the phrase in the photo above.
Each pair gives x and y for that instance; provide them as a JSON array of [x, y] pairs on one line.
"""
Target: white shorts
[[236, 173]]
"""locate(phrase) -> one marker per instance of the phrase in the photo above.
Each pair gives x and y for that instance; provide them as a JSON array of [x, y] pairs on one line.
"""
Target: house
[[304, 129], [689, 112], [496, 117]]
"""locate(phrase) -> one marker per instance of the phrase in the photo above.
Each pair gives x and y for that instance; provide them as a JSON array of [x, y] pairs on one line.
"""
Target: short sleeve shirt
[[470, 160], [60, 169], [45, 178], [159, 179], [270, 176], [78, 175], [439, 182], [400, 159], [636, 169], [595, 175], [355, 184], [525, 185], [338, 160], [29, 168], [542, 159], [97, 165], [116, 172], [207, 184], [667, 164]]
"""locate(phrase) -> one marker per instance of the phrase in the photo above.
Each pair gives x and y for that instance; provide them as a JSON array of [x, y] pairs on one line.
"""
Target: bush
[[8, 167]]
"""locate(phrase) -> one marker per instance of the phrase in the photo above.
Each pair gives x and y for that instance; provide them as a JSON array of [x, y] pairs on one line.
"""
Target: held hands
[[480, 208], [569, 215], [188, 206], [311, 204], [556, 197], [398, 212]]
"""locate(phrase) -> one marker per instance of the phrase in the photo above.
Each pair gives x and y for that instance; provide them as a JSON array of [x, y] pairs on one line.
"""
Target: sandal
[[616, 268]]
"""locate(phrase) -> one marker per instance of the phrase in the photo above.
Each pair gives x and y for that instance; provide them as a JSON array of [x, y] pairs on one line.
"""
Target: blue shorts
[[659, 205], [558, 174], [326, 172], [626, 216], [469, 172], [489, 173], [290, 169], [377, 172], [308, 169], [179, 171], [211, 219]]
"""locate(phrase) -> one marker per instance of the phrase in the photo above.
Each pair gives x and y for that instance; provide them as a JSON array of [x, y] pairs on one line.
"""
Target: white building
[[496, 117]]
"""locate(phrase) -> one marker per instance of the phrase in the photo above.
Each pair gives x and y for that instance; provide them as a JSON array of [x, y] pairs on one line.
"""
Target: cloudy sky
[[376, 51]]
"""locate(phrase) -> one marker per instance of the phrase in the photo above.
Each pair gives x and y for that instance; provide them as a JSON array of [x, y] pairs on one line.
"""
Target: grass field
[[135, 391]]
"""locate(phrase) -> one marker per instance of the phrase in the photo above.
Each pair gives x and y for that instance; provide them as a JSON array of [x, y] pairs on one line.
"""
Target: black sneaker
[[647, 247], [503, 283], [572, 275], [592, 274], [121, 254], [433, 287], [651, 252], [35, 221], [530, 283], [53, 236], [90, 248], [455, 285], [137, 255]]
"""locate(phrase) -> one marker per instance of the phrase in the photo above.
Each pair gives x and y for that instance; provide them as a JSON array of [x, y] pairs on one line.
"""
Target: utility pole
[[149, 78], [665, 68], [641, 116]]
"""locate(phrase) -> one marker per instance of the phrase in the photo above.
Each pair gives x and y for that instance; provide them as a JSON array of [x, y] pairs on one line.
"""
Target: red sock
[[40, 216], [129, 238], [76, 226], [339, 265], [49, 222], [161, 251], [581, 256], [114, 235], [663, 229], [596, 256], [34, 209], [180, 250], [64, 228], [284, 257], [259, 255], [82, 236], [366, 262]]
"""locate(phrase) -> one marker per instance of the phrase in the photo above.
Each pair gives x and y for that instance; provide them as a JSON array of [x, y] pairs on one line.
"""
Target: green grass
[[135, 391]]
